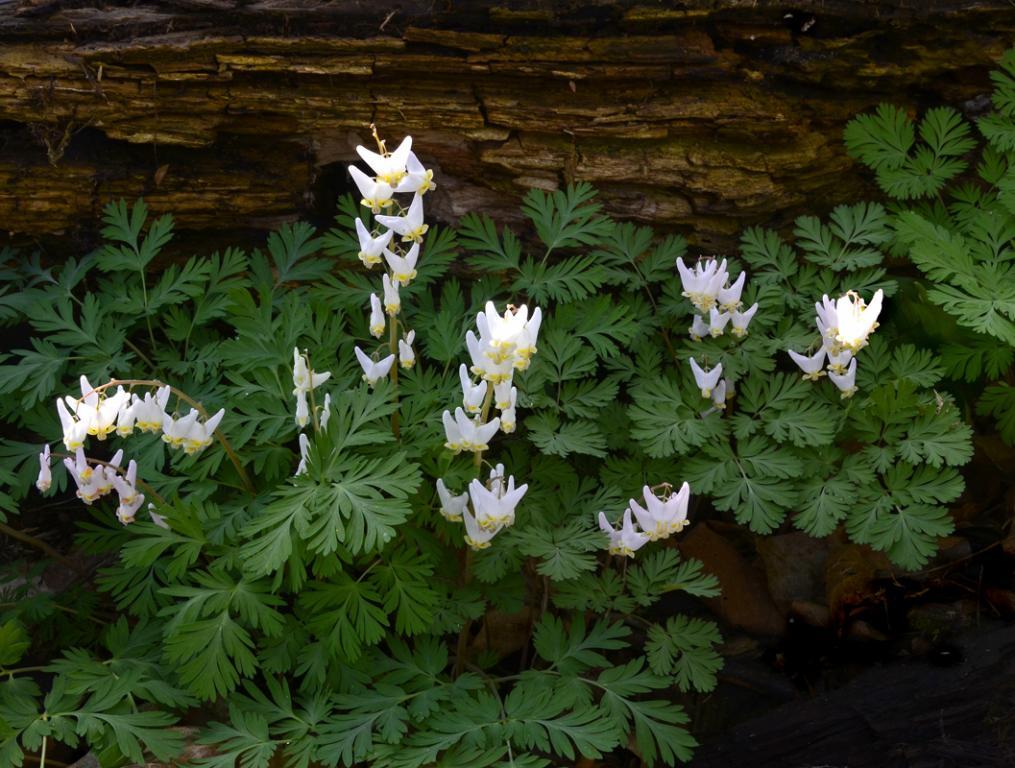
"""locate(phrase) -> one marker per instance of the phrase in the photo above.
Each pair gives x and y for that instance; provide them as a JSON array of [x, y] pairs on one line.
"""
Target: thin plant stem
[[393, 349], [39, 544], [477, 456], [463, 636], [42, 754]]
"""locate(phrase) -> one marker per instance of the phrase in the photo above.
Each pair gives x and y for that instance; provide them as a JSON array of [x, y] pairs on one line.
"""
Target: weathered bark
[[705, 115]]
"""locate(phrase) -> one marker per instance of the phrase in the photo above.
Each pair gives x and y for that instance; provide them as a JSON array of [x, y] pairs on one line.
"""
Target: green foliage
[[330, 615], [963, 241]]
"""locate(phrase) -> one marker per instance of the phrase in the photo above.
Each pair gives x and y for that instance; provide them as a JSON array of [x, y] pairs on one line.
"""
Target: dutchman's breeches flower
[[373, 372], [811, 366], [390, 167], [706, 380], [625, 540], [452, 507], [846, 382], [856, 320], [410, 226], [370, 247], [660, 518], [741, 320], [495, 508], [45, 478]]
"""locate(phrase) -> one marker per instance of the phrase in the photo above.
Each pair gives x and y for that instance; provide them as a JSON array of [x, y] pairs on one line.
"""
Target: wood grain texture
[[699, 116]]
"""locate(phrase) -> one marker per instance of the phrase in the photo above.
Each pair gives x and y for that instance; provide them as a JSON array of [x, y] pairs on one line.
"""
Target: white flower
[[827, 320], [626, 540], [406, 357], [410, 226], [107, 474], [304, 441], [303, 378], [856, 320], [418, 179], [846, 382], [525, 346], [477, 537], [507, 412], [483, 365], [496, 508], [698, 329], [130, 499], [96, 411], [389, 167], [373, 372], [452, 506], [160, 520], [837, 363], [302, 408], [719, 395], [75, 431], [45, 478], [150, 411], [465, 434], [811, 366], [701, 285], [729, 298], [89, 480], [326, 411], [392, 301], [125, 418], [717, 322], [189, 432], [376, 194], [706, 380], [472, 395], [304, 381], [504, 395], [742, 319], [403, 268], [370, 247], [661, 517], [376, 317]]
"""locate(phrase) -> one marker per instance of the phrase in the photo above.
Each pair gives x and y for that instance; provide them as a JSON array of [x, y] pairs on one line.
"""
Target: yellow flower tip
[[715, 333], [453, 518], [477, 544], [706, 393], [738, 332]]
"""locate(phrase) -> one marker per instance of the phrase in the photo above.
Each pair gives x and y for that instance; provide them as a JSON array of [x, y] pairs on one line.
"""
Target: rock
[[745, 601]]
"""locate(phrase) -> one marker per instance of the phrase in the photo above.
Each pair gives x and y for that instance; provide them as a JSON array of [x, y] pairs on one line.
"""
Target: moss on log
[[704, 116]]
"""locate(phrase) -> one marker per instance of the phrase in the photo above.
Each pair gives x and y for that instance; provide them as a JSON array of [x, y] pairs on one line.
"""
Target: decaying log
[[704, 115], [907, 715]]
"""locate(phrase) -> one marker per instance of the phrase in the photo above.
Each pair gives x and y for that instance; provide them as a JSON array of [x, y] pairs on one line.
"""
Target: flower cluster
[[493, 506], [305, 381], [505, 344], [394, 173], [658, 519], [707, 286], [844, 325], [96, 414]]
